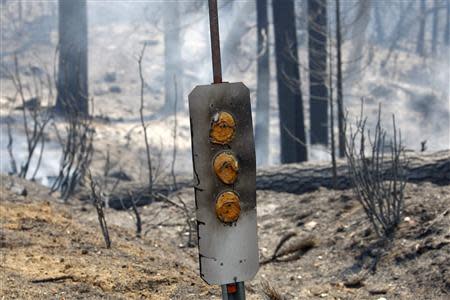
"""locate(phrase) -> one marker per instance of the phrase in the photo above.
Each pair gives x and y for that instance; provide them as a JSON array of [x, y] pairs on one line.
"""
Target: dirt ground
[[48, 252], [52, 250]]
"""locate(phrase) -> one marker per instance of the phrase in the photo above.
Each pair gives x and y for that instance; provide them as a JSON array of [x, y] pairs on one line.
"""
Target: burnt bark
[[420, 49], [378, 22], [340, 97], [434, 34], [332, 138], [447, 27], [231, 54], [172, 58], [72, 83], [262, 90], [290, 103], [318, 91]]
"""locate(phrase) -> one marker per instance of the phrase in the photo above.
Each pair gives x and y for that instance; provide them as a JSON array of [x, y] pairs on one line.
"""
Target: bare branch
[[141, 112], [98, 203]]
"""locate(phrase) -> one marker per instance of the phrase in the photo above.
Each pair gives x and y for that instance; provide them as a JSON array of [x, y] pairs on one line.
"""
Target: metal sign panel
[[225, 182]]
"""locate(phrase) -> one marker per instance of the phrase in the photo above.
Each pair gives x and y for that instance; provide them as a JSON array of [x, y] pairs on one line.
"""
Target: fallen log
[[301, 178], [308, 177]]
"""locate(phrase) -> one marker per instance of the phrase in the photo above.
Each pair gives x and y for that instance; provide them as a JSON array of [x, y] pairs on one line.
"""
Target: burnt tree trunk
[[421, 35], [72, 82], [434, 34], [239, 12], [318, 91], [340, 99], [378, 22], [290, 103], [20, 9], [173, 72], [331, 103], [262, 90], [447, 27]]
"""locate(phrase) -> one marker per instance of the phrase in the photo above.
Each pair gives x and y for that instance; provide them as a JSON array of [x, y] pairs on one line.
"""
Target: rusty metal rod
[[215, 41]]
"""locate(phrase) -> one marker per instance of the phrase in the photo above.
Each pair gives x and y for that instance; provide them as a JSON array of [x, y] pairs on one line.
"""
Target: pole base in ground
[[233, 291]]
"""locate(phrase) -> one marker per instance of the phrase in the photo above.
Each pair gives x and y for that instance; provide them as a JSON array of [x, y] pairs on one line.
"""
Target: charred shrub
[[377, 168]]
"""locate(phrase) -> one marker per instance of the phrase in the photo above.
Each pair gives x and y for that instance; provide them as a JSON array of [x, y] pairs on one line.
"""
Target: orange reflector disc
[[223, 128], [228, 207], [226, 167]]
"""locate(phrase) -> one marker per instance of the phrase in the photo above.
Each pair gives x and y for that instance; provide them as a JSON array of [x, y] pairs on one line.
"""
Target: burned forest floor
[[55, 250]]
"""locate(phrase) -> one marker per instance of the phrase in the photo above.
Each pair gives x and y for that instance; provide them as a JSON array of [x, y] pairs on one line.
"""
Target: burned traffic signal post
[[225, 182], [223, 154]]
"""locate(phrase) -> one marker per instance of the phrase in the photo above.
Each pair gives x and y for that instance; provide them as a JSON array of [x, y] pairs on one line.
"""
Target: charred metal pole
[[215, 42]]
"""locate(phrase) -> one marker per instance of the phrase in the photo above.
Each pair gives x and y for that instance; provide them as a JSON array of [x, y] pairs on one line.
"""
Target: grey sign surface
[[227, 252]]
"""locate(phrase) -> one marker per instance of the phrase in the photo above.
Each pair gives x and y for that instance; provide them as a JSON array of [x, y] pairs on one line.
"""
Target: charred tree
[[172, 58], [72, 82], [447, 26], [263, 81], [239, 12], [292, 128], [434, 34], [378, 23], [340, 100], [318, 91], [330, 101], [20, 9], [420, 49]]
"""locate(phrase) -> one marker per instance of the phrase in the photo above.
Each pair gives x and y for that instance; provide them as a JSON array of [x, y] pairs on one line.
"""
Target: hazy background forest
[[386, 58]]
